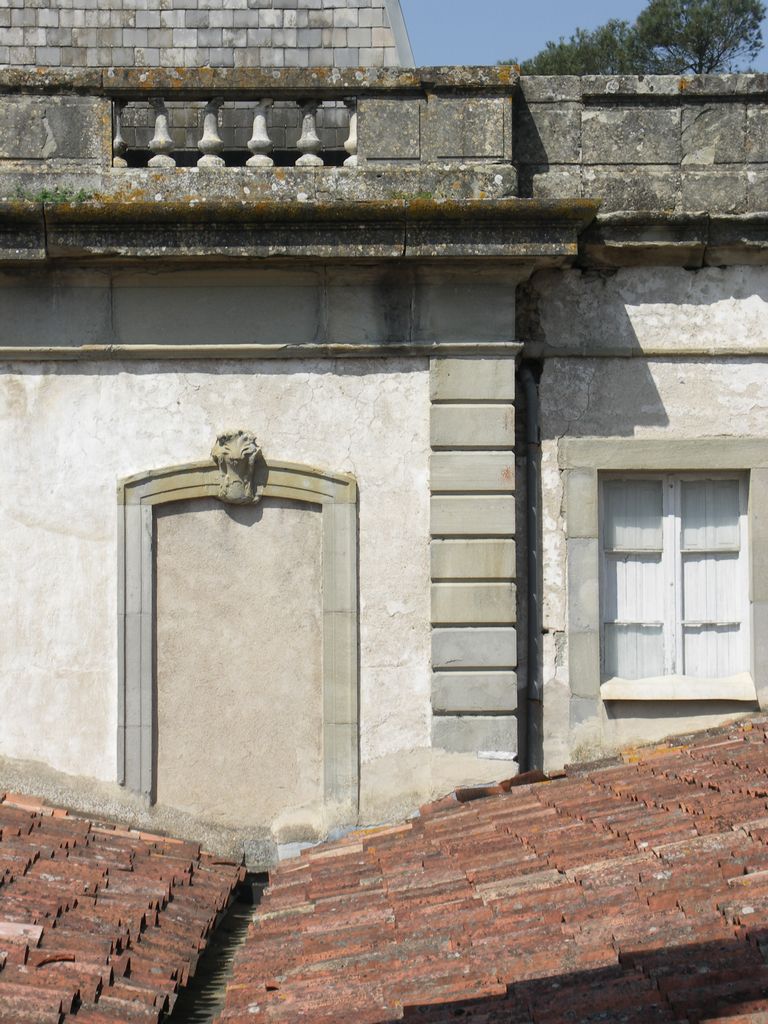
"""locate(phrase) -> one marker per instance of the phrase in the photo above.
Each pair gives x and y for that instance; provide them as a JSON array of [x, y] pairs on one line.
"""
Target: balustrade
[[161, 143], [311, 133], [211, 143], [392, 119], [260, 143], [119, 145], [351, 144]]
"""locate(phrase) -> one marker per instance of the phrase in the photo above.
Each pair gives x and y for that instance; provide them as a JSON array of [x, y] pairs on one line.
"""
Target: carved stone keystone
[[236, 453]]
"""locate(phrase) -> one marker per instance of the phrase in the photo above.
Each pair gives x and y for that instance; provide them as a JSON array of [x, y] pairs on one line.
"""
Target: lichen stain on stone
[[507, 74]]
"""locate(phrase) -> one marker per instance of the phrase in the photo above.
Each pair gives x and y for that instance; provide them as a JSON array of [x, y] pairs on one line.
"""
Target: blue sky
[[485, 31]]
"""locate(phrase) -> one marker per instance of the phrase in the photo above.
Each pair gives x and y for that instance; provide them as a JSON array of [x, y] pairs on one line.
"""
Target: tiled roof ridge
[[624, 893], [99, 923]]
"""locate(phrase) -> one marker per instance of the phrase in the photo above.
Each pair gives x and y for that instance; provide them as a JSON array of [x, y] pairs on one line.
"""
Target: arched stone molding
[[138, 496]]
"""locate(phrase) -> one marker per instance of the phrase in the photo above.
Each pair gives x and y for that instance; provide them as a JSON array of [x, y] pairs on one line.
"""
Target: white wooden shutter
[[712, 578], [633, 581]]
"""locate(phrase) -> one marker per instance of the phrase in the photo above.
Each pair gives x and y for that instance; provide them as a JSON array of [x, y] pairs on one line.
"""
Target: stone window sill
[[668, 688]]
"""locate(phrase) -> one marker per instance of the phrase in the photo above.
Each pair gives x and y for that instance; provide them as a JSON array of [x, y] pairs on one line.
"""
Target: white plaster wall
[[69, 432], [692, 396], [687, 398], [614, 398], [664, 310]]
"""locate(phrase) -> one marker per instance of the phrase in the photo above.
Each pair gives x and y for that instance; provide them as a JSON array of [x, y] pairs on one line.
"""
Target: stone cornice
[[626, 239], [526, 231], [187, 82], [530, 232], [181, 83], [646, 89]]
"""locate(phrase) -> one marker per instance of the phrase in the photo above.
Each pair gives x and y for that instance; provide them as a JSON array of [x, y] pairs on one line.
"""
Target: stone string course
[[198, 33]]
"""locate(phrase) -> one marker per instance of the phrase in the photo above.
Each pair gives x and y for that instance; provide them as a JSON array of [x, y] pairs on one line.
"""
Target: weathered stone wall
[[419, 735], [642, 356], [662, 146], [199, 33], [650, 143]]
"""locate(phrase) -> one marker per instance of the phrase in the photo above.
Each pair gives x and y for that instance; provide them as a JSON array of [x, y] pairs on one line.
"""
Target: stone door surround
[[137, 496]]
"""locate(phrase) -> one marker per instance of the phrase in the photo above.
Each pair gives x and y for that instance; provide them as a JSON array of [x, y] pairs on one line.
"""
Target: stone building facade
[[372, 431]]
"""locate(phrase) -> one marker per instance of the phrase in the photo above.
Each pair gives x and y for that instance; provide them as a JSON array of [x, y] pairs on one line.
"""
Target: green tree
[[669, 37], [610, 49], [700, 36]]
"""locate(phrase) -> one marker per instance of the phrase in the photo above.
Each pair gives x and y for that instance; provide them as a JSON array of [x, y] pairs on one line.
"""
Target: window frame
[[672, 555], [580, 460]]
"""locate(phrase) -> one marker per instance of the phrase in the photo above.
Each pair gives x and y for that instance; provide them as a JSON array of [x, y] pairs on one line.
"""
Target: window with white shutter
[[674, 590]]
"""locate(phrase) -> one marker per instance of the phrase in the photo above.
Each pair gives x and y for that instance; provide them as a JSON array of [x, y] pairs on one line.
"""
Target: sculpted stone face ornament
[[236, 453]]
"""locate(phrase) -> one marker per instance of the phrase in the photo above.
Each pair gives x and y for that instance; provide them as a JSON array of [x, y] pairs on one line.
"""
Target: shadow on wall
[[578, 320], [599, 399], [687, 983], [598, 331], [645, 711], [529, 144]]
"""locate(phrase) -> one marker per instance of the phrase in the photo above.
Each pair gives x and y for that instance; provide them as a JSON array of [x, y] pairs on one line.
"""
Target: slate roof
[[629, 893], [215, 33], [98, 921]]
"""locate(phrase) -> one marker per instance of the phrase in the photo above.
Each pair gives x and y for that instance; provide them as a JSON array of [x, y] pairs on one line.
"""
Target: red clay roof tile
[[104, 922], [630, 892]]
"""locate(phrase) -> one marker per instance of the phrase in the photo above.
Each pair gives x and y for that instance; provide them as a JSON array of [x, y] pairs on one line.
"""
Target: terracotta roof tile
[[96, 923], [630, 892]]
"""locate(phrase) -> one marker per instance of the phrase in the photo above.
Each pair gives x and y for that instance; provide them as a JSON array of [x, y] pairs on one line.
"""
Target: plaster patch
[[239, 659]]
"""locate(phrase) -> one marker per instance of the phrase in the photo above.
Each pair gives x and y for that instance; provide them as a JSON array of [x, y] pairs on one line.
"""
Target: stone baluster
[[161, 142], [351, 144], [211, 144], [260, 143], [309, 145], [119, 145]]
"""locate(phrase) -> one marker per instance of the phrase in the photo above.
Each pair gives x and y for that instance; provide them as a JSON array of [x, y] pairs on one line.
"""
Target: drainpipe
[[533, 689]]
